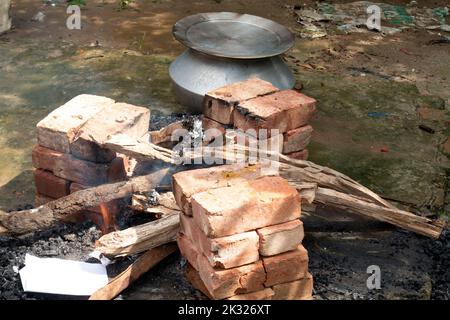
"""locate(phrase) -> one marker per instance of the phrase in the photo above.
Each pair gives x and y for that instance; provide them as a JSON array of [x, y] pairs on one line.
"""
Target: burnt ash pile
[[67, 241]]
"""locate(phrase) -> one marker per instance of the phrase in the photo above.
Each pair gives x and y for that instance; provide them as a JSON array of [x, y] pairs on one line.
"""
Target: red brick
[[219, 103], [187, 183], [165, 134], [295, 290], [193, 277], [286, 267], [68, 167], [265, 294], [50, 185], [212, 129], [119, 118], [225, 283], [252, 139], [299, 155], [297, 139], [188, 250], [227, 252], [246, 206], [60, 128], [283, 110], [280, 238]]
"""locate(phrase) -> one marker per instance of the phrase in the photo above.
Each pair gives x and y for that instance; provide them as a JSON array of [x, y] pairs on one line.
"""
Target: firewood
[[26, 221], [347, 193], [397, 217], [166, 204], [140, 238], [142, 265]]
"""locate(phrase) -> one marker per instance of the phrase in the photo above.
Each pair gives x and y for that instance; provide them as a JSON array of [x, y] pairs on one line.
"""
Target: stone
[[286, 267], [284, 110], [265, 294], [227, 252], [280, 238], [245, 206], [118, 118], [187, 183], [61, 127], [297, 139], [294, 290], [225, 283], [299, 155], [65, 166], [50, 185], [5, 20], [219, 103]]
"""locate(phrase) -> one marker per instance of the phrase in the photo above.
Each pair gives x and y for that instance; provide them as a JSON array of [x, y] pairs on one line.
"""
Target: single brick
[[212, 129], [68, 167], [187, 183], [119, 118], [283, 110], [50, 185], [294, 290], [251, 139], [299, 155], [297, 139], [265, 294], [188, 250], [286, 267], [219, 103], [227, 252], [60, 128], [165, 134], [280, 238], [194, 279], [246, 206], [225, 283]]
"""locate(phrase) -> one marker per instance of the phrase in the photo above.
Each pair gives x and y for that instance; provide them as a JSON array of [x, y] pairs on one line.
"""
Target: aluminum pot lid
[[233, 35]]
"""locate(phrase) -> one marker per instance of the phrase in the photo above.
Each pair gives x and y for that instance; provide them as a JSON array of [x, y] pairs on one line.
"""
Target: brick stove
[[67, 157]]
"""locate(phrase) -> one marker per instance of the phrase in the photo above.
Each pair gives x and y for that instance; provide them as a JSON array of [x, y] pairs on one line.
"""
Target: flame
[[108, 224]]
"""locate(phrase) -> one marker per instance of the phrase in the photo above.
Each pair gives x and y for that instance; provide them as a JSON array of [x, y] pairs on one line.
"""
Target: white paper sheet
[[58, 276]]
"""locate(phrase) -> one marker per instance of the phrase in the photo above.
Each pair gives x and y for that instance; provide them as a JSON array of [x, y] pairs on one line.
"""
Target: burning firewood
[[143, 264], [165, 204], [26, 221], [140, 238]]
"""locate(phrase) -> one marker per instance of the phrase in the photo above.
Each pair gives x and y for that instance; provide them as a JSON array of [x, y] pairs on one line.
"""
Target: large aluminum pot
[[194, 74], [227, 47]]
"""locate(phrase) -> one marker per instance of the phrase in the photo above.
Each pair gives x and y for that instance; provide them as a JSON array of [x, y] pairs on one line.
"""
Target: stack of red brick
[[257, 104], [68, 157], [241, 234]]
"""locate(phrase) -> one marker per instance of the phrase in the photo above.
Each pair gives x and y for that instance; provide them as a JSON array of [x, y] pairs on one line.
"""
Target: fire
[[108, 224]]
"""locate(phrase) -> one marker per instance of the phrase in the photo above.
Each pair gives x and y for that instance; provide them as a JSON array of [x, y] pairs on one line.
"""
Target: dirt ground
[[375, 93]]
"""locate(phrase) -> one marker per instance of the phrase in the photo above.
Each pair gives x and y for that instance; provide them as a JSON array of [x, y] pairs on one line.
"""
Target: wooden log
[[140, 238], [397, 217], [166, 204], [142, 265], [26, 221]]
